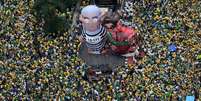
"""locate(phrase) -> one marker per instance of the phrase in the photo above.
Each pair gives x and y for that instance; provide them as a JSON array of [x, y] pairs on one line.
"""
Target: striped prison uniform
[[95, 41]]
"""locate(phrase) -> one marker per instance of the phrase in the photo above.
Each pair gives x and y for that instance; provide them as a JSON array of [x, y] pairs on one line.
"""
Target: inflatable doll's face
[[90, 18]]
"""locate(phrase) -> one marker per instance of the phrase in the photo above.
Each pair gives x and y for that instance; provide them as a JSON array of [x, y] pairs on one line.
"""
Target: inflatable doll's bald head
[[91, 10], [90, 17]]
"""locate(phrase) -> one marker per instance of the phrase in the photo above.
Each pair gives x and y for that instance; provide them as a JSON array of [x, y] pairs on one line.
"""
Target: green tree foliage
[[56, 15]]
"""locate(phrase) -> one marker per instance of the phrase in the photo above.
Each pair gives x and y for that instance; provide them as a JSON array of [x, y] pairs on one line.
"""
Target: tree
[[55, 14]]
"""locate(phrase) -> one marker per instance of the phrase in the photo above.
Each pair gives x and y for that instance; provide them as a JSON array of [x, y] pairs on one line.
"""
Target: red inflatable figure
[[124, 39]]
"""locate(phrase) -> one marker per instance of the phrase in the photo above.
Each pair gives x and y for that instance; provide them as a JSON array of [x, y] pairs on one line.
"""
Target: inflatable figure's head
[[90, 17]]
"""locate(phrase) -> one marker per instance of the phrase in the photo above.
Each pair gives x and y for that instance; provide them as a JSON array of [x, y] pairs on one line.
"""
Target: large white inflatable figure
[[93, 33]]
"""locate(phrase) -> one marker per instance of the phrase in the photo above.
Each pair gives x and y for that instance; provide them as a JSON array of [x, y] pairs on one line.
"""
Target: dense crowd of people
[[40, 67]]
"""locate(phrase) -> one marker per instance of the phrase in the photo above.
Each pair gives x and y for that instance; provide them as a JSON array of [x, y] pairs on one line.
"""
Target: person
[[93, 33]]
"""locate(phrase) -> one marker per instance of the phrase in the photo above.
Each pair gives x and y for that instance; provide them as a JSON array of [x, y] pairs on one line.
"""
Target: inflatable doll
[[93, 33], [94, 41], [123, 39]]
